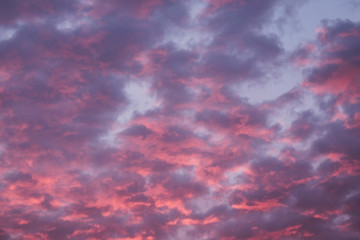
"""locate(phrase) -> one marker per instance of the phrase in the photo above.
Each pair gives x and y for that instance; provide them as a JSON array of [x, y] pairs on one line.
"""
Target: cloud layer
[[123, 120]]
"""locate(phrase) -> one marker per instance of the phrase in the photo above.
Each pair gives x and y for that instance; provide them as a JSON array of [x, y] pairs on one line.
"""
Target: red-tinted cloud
[[84, 157]]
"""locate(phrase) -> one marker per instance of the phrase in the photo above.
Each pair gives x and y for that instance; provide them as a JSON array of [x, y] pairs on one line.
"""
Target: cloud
[[121, 120]]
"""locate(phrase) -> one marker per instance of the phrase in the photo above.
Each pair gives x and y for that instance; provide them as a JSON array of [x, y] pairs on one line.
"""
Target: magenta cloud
[[128, 120]]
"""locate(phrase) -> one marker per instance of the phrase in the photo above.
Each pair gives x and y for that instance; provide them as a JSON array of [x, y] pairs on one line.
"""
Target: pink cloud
[[82, 158]]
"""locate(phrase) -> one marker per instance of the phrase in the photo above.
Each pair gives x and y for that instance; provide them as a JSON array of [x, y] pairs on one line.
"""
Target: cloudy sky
[[179, 119]]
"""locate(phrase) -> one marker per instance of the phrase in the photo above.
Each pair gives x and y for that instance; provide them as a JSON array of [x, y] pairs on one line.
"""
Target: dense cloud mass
[[125, 120]]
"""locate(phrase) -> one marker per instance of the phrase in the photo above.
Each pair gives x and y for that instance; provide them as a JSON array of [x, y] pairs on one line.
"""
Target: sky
[[180, 120]]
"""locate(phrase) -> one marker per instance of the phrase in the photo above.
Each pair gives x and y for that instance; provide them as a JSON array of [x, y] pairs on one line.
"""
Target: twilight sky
[[179, 119]]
